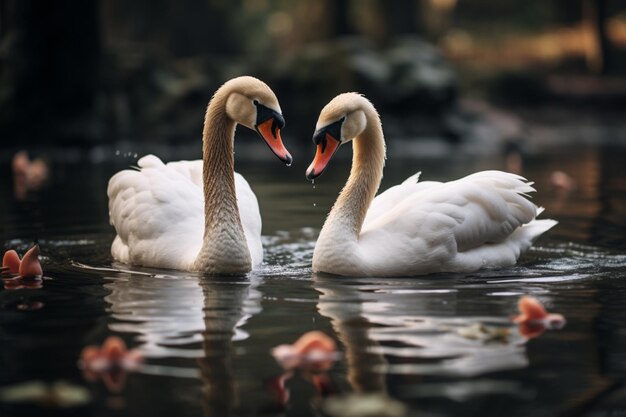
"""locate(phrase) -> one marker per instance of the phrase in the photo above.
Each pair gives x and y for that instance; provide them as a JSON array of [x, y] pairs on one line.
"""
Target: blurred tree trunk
[[595, 16], [341, 18], [600, 19], [50, 74]]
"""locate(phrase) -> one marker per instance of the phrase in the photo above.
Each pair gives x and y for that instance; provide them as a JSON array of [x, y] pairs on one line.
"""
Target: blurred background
[[79, 75]]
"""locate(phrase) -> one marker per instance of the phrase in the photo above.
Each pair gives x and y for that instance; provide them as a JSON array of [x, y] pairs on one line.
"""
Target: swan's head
[[253, 104], [342, 120]]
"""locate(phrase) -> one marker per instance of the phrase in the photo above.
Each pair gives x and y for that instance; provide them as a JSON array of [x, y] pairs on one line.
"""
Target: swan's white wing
[[189, 169], [158, 213], [458, 225], [387, 200]]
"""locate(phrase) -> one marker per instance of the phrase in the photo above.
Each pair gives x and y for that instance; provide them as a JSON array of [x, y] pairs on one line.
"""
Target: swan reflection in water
[[406, 336], [187, 317], [410, 338]]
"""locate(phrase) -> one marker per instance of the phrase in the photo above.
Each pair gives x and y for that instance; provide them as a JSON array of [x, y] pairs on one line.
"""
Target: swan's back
[[482, 220]]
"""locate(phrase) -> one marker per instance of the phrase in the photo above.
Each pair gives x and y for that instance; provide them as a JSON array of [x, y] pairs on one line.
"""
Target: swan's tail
[[536, 228], [528, 233]]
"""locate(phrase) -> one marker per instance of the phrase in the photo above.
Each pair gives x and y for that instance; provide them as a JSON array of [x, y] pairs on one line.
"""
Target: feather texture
[[482, 220]]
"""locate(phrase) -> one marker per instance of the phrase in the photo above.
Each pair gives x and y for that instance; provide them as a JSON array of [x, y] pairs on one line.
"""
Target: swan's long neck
[[224, 249], [343, 225]]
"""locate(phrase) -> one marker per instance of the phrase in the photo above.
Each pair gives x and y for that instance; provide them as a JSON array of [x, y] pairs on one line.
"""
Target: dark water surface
[[440, 345]]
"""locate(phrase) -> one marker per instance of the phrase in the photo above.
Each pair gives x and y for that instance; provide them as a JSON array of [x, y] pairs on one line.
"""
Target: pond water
[[438, 345]]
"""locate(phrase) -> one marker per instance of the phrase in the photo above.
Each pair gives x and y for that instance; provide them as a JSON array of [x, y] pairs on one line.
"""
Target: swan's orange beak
[[270, 132], [325, 151]]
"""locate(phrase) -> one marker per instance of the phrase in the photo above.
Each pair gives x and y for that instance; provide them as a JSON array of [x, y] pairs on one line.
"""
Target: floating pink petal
[[11, 262], [313, 350], [534, 319], [113, 354], [30, 266], [111, 363]]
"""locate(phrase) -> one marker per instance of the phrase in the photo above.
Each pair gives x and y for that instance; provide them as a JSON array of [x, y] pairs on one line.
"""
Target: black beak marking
[[263, 114], [333, 129]]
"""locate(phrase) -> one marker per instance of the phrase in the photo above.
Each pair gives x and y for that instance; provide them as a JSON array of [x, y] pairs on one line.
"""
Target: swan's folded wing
[[158, 214], [387, 200], [496, 204], [189, 169], [482, 208]]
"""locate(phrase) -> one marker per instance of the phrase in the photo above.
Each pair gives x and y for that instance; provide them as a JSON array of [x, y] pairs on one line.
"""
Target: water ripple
[[174, 317], [418, 331]]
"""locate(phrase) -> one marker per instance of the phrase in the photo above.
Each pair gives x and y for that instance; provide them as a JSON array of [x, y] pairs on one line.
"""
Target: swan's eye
[[256, 102]]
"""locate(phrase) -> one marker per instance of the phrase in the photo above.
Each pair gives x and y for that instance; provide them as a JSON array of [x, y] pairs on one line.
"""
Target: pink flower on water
[[533, 319], [111, 362], [27, 267], [313, 350]]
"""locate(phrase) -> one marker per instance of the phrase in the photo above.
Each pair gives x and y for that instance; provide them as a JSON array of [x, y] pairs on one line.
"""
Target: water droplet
[[314, 204], [117, 152], [135, 155], [314, 187], [288, 164]]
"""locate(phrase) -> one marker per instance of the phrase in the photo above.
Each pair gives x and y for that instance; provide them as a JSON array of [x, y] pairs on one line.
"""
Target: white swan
[[199, 215], [414, 228]]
